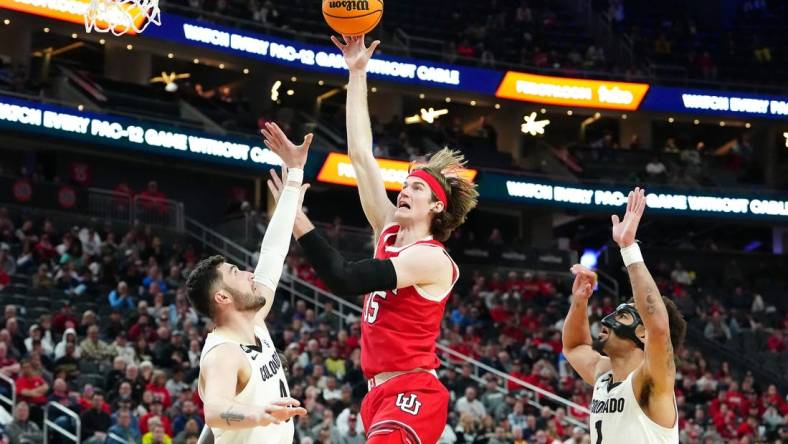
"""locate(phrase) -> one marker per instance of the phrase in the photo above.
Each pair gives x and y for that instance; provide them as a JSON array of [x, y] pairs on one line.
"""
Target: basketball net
[[121, 16]]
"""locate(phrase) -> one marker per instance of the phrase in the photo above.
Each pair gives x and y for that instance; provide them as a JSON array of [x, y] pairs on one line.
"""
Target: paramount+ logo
[[350, 5]]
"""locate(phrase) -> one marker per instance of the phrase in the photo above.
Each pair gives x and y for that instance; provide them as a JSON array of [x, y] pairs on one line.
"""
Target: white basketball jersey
[[267, 382], [616, 416]]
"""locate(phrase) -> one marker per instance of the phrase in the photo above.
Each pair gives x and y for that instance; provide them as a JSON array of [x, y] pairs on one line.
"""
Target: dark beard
[[247, 302], [598, 345]]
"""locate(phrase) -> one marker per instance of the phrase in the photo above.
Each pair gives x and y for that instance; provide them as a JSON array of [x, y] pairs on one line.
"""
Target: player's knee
[[392, 436]]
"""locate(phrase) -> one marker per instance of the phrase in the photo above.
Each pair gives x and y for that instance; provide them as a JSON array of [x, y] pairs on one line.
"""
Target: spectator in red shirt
[[496, 283], [62, 317], [142, 328], [716, 403], [516, 372], [87, 398], [513, 283], [772, 396], [44, 249], [156, 411], [530, 320], [465, 49], [748, 428], [152, 199], [5, 279], [735, 399], [498, 312], [159, 389], [776, 342], [530, 286], [32, 388]]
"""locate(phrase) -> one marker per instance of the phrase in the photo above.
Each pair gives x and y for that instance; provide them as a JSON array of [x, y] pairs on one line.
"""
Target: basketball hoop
[[121, 16]]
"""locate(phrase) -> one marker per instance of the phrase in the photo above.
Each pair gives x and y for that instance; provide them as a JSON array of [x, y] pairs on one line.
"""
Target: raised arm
[[218, 383], [276, 241], [576, 335], [657, 375], [372, 192], [415, 266]]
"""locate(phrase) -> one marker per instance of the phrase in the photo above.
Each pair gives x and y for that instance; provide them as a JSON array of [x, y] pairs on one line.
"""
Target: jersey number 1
[[598, 426]]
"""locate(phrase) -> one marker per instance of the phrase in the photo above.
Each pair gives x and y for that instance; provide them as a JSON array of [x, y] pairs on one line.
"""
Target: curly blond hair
[[447, 166]]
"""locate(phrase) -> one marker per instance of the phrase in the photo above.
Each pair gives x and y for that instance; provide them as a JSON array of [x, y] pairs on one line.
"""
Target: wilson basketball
[[352, 17]]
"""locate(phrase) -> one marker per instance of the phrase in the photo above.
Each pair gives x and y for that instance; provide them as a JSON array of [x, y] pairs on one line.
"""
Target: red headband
[[433, 183]]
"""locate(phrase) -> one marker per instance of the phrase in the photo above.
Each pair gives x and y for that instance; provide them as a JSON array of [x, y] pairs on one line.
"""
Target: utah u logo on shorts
[[411, 404]]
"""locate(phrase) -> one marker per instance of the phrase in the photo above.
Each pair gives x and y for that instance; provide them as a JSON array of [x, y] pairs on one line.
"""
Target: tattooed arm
[[218, 388], [654, 380]]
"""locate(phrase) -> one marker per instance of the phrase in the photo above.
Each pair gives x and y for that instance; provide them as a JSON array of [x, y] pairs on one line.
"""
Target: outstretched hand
[[354, 51], [585, 282], [292, 155], [624, 231], [276, 184], [279, 411]]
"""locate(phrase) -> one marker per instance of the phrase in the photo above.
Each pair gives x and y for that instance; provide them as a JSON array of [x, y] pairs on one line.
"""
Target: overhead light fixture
[[747, 125], [101, 41], [294, 79], [421, 96], [448, 99], [696, 122], [74, 35], [597, 115], [170, 55], [290, 92], [497, 106], [129, 46], [275, 90], [374, 89], [532, 126], [671, 120], [6, 22], [221, 66], [543, 111], [722, 123], [246, 70], [80, 107], [426, 115], [624, 117], [196, 61], [473, 103], [429, 115], [46, 29], [569, 112], [321, 83], [786, 139], [169, 79]]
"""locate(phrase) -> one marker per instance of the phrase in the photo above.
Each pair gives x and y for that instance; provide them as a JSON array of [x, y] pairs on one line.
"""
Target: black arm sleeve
[[342, 276]]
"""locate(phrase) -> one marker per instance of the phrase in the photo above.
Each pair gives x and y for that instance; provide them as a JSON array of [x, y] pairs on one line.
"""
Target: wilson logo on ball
[[361, 5], [352, 17]]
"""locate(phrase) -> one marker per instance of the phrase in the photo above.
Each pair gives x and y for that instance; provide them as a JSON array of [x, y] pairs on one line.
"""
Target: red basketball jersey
[[399, 328]]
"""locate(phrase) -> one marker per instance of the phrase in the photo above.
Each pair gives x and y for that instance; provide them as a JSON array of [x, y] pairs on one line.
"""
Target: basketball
[[352, 17]]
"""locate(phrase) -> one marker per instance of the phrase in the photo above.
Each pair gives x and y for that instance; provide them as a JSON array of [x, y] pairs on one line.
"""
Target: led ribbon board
[[501, 187], [720, 103], [566, 91], [337, 169], [72, 11], [140, 135], [322, 58]]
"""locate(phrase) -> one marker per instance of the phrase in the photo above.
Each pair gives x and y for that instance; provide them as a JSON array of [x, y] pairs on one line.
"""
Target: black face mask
[[624, 330]]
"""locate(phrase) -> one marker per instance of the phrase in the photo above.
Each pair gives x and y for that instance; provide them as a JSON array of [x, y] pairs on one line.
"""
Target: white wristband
[[631, 255], [295, 175]]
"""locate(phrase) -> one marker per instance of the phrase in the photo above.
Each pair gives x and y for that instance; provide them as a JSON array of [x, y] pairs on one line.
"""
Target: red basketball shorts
[[409, 409]]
